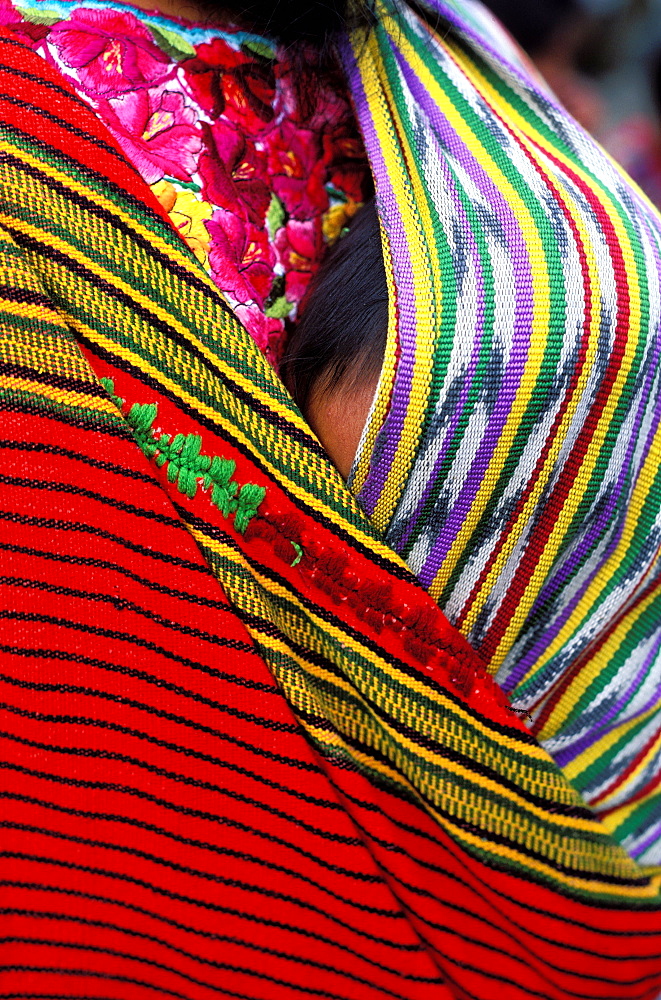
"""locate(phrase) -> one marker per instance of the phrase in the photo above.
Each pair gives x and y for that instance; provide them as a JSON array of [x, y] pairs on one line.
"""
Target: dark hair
[[317, 22], [341, 335], [289, 21]]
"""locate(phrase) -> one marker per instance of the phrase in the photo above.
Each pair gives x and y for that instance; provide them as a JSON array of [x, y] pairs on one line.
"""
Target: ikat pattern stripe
[[222, 781], [513, 453]]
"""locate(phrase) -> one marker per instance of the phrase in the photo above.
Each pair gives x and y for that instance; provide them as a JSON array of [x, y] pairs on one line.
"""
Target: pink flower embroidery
[[265, 331], [297, 169], [112, 51], [234, 122], [8, 13], [233, 172], [241, 257], [300, 247], [156, 131]]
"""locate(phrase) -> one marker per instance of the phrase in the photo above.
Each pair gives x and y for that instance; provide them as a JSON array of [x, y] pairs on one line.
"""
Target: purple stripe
[[404, 284], [564, 756], [391, 430], [523, 314], [569, 568], [651, 839], [481, 42], [450, 190]]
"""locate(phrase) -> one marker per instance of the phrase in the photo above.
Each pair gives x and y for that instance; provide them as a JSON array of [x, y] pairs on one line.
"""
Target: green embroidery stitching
[[186, 466], [299, 553], [109, 386], [250, 497]]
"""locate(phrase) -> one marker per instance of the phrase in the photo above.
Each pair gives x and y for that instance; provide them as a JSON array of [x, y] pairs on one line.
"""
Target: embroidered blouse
[[255, 184]]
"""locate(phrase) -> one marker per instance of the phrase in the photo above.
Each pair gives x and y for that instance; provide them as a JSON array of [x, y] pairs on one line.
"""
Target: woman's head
[[333, 360]]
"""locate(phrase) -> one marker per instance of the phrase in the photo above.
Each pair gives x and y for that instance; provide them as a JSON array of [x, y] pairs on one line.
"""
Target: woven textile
[[513, 452], [243, 752]]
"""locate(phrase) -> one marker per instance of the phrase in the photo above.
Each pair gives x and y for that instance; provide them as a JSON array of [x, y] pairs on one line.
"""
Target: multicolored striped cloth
[[242, 751], [513, 452]]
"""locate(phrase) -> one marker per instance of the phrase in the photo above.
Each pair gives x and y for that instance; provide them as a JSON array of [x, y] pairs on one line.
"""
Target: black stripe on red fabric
[[56, 524], [53, 970], [140, 793], [195, 901], [199, 932], [270, 724], [48, 115], [78, 560], [53, 486], [368, 751], [40, 448], [358, 876], [176, 748], [189, 929], [250, 945], [70, 95], [124, 604]]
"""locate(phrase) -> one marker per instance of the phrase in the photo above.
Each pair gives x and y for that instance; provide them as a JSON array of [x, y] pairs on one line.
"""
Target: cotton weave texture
[[513, 455], [243, 754]]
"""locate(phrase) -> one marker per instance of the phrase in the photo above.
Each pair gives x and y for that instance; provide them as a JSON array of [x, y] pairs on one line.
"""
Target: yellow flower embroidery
[[188, 214], [337, 217]]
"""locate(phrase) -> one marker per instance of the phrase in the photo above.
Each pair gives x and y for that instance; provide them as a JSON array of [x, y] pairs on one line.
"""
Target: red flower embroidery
[[156, 131], [112, 51], [226, 82], [327, 107], [297, 170], [241, 257], [10, 17], [233, 172], [299, 246], [346, 162]]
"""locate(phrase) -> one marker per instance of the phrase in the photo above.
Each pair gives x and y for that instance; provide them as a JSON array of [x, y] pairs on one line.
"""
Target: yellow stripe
[[374, 733], [230, 429], [619, 816], [541, 312], [383, 393], [412, 203], [576, 767], [589, 463], [326, 472], [258, 361], [152, 236], [521, 525], [66, 397], [511, 856], [130, 290], [529, 754], [33, 311], [585, 605]]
